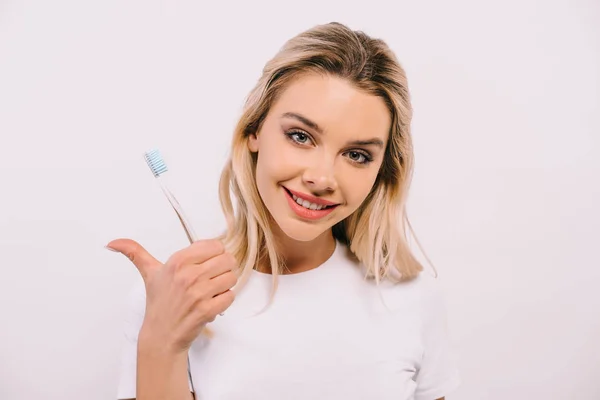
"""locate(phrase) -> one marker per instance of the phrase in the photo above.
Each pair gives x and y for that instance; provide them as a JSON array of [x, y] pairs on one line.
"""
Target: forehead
[[337, 106]]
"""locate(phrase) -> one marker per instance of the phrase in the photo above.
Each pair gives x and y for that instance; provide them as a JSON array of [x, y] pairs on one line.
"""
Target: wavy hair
[[376, 233]]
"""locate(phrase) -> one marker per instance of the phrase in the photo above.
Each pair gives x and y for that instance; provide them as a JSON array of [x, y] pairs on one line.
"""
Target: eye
[[359, 157], [298, 136]]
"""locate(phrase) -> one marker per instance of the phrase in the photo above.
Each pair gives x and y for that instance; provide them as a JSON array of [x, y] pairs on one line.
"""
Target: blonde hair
[[376, 233]]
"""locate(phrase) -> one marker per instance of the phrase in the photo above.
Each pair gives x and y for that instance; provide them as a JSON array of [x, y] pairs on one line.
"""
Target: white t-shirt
[[327, 335]]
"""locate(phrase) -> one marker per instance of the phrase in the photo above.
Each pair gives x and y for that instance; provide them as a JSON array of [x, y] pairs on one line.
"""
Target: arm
[[174, 303], [161, 373]]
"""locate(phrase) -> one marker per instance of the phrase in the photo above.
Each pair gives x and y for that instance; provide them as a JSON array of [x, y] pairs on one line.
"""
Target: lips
[[311, 199], [306, 213]]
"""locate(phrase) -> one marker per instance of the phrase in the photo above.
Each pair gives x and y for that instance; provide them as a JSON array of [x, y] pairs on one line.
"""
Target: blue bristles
[[155, 162]]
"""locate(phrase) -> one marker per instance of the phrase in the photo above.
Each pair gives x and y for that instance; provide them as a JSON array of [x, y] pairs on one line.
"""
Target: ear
[[253, 142]]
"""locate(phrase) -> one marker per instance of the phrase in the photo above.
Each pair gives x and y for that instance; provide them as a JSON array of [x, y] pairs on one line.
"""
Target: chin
[[300, 231]]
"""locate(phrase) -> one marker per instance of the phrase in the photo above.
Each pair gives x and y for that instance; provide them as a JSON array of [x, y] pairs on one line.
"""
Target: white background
[[505, 194]]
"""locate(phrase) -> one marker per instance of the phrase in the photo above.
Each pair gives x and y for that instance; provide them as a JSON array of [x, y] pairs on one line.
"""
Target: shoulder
[[425, 288], [429, 289], [423, 294]]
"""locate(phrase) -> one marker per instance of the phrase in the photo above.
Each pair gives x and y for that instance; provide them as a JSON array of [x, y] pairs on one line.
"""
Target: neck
[[300, 256]]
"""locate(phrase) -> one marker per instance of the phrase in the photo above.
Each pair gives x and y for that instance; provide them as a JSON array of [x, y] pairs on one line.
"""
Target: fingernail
[[111, 249]]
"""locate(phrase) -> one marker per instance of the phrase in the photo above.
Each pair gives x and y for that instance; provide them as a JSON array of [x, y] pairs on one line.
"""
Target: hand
[[183, 294]]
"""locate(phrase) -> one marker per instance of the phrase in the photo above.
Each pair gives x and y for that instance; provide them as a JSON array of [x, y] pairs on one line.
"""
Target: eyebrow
[[304, 120], [313, 125]]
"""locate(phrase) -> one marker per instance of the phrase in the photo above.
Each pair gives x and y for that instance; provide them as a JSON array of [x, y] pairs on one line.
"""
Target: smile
[[304, 208]]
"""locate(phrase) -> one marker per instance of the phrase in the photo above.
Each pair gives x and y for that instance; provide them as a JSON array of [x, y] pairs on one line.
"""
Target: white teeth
[[307, 204]]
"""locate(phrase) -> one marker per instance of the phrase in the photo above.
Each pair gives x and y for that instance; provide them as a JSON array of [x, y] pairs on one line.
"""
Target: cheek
[[357, 186], [278, 159], [275, 164]]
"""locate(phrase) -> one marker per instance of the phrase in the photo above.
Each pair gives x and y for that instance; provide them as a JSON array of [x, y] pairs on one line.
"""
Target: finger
[[222, 283], [139, 256], [223, 301], [217, 265], [197, 253]]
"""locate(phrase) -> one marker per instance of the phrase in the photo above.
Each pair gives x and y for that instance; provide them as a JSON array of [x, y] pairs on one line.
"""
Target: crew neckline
[[305, 274]]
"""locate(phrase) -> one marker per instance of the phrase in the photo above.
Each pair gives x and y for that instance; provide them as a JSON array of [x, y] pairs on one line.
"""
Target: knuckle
[[133, 249], [183, 280], [231, 279], [201, 294], [132, 252], [231, 260], [209, 245], [176, 261], [201, 309], [230, 298], [203, 270], [217, 245], [229, 295], [206, 313], [225, 260], [131, 255]]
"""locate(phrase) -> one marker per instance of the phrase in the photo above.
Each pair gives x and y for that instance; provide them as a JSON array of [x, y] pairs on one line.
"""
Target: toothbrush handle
[[187, 226], [191, 235], [185, 222]]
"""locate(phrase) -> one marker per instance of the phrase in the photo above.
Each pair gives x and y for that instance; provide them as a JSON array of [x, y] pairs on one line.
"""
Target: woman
[[330, 302]]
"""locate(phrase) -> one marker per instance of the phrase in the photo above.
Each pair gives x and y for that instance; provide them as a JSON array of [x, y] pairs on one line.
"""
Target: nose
[[320, 176]]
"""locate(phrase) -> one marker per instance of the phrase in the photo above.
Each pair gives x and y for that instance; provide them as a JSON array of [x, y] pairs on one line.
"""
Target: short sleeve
[[437, 375], [134, 317]]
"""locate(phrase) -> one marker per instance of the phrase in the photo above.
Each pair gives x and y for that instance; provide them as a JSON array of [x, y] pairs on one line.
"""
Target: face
[[319, 152]]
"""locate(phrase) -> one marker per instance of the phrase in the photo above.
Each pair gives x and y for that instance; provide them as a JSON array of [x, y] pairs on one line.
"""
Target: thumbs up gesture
[[183, 294]]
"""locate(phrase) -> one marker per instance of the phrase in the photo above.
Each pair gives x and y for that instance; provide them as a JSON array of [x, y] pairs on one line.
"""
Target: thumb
[[139, 256]]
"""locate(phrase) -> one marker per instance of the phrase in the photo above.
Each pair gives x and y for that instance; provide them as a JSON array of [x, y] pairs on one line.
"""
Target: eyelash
[[294, 132]]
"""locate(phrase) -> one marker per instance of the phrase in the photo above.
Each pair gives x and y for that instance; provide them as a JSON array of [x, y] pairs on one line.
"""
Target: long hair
[[376, 233]]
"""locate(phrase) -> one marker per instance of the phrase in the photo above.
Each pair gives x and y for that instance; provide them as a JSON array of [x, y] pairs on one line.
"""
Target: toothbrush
[[159, 168]]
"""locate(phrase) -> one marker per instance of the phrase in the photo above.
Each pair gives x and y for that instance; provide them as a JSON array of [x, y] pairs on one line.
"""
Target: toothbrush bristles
[[155, 162]]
